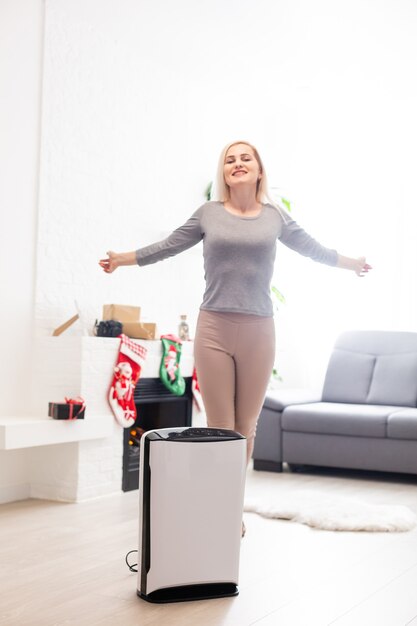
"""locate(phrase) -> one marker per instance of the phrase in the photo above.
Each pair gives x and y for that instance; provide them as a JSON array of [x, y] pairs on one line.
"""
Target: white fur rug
[[319, 510]]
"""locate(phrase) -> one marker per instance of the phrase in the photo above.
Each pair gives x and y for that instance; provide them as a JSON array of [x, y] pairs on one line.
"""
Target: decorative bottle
[[183, 329]]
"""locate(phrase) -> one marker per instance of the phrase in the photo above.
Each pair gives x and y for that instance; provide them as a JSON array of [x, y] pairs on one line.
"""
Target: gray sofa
[[365, 417]]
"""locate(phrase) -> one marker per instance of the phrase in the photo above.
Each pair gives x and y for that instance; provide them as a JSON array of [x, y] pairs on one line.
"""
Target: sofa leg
[[297, 467], [267, 466]]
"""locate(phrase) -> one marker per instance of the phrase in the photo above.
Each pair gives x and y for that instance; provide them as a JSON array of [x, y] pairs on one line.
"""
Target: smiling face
[[241, 166]]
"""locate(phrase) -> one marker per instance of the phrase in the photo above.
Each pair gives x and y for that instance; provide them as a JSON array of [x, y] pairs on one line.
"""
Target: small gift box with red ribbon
[[71, 409]]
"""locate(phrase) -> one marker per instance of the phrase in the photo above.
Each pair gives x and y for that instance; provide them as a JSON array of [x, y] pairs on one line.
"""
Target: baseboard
[[13, 493], [42, 491]]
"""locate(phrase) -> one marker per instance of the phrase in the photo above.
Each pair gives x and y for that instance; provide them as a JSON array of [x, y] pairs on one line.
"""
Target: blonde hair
[[222, 191]]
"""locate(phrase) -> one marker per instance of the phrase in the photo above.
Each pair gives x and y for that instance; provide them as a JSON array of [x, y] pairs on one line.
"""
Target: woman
[[234, 344]]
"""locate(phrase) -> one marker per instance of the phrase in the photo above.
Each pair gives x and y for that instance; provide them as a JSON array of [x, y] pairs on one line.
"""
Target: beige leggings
[[234, 356]]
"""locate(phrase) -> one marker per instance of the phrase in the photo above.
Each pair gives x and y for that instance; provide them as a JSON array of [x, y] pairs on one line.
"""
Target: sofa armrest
[[279, 399], [267, 453]]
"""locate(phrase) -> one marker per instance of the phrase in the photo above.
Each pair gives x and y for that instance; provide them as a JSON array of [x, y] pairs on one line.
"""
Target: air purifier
[[191, 490]]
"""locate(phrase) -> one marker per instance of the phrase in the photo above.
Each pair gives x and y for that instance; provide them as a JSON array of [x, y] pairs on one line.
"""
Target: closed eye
[[244, 157]]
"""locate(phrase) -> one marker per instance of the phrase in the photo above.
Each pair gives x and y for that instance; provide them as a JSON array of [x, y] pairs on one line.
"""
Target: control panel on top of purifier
[[194, 434]]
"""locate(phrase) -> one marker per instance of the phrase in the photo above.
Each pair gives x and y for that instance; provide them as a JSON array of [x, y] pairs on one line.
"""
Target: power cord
[[133, 567]]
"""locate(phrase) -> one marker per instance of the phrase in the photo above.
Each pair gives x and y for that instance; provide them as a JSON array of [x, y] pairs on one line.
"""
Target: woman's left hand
[[361, 267], [358, 265]]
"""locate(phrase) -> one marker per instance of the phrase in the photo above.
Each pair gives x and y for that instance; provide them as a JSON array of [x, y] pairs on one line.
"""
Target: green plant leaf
[[286, 203], [278, 295], [276, 375], [208, 191]]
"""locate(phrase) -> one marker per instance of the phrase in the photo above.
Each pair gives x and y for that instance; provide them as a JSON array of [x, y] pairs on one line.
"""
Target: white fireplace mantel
[[73, 460], [30, 432], [73, 366]]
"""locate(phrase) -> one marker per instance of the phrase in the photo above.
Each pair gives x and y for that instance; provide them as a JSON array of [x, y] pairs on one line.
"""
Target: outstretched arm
[[297, 239], [184, 237], [116, 259], [359, 265]]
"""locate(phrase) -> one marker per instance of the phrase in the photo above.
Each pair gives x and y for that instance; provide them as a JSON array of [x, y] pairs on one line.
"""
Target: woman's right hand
[[111, 263]]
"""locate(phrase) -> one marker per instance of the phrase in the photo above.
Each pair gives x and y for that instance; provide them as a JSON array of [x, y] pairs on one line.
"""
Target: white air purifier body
[[191, 491]]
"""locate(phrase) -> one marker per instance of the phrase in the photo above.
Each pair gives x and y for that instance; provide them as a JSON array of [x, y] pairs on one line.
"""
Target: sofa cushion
[[360, 420], [377, 341], [394, 380], [348, 377], [278, 399], [402, 424]]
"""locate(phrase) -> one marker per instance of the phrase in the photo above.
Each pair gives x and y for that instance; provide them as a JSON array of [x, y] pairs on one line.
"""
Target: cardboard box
[[138, 330], [58, 331], [121, 312]]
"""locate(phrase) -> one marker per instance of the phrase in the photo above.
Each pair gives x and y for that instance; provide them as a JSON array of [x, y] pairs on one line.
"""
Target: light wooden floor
[[63, 564]]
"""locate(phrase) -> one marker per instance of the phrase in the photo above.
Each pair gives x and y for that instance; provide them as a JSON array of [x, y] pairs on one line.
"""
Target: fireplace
[[156, 407]]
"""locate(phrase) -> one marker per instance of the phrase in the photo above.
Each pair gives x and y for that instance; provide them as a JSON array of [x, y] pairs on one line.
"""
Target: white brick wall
[[57, 371], [71, 366], [90, 200], [128, 146], [98, 187], [54, 472], [14, 475]]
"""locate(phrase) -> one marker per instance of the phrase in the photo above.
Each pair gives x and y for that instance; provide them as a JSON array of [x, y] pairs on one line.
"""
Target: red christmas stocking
[[126, 374], [195, 388]]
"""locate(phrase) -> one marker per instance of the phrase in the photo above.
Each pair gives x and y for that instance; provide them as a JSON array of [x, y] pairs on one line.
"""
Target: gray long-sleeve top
[[239, 254]]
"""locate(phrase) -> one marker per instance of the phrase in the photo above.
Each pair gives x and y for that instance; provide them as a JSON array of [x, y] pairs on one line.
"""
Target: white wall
[[138, 99], [20, 80]]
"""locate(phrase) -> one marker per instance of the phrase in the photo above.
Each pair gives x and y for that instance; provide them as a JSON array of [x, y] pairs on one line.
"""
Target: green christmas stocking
[[169, 371]]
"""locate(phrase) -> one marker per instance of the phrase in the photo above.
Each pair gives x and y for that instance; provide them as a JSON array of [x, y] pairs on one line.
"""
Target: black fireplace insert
[[156, 407]]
